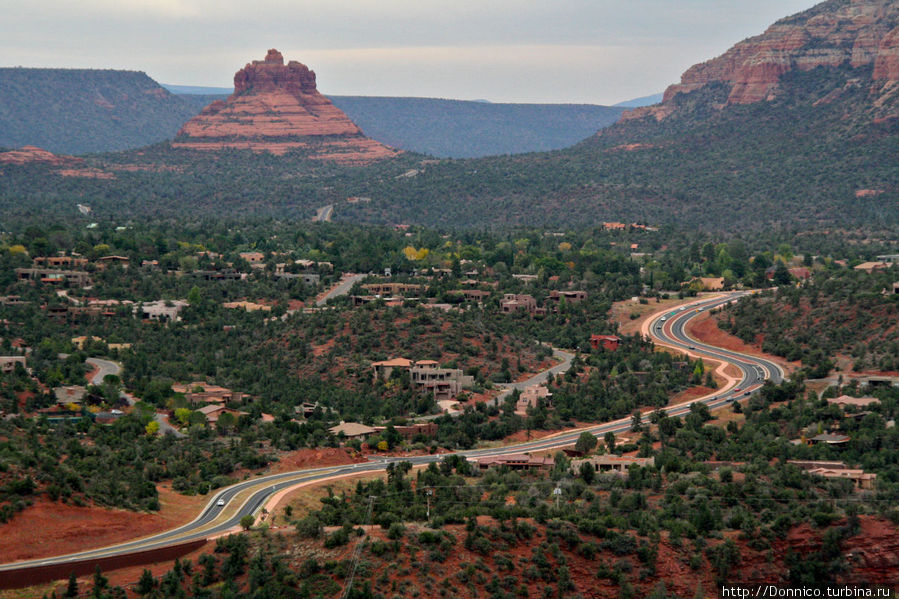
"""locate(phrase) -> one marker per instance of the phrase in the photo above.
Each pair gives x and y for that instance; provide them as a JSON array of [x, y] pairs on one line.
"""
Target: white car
[[220, 502]]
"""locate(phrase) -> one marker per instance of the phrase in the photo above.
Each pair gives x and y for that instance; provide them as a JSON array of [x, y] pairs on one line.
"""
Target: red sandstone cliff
[[860, 33], [276, 108]]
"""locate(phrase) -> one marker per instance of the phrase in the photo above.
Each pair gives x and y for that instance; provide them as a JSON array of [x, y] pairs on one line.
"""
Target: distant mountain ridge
[[76, 111]]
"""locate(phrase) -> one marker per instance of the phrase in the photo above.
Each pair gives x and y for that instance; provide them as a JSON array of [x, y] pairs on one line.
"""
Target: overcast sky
[[590, 51]]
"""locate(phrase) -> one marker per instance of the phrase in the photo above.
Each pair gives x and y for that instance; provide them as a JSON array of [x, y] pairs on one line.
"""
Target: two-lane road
[[248, 496]]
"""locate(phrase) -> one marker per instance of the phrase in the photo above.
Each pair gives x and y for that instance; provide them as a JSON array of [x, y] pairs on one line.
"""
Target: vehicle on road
[[691, 347], [220, 502], [737, 390], [663, 319]]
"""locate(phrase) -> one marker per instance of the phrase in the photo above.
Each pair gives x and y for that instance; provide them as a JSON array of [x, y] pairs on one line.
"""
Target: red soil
[[54, 528], [315, 458], [705, 329]]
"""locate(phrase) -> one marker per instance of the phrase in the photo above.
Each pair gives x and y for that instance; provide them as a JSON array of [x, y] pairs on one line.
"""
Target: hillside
[[462, 129], [76, 111]]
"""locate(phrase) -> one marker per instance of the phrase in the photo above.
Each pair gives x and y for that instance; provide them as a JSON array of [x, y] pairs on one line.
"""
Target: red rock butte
[[276, 108]]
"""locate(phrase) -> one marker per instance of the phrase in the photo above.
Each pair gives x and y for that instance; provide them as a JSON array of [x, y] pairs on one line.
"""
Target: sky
[[553, 51]]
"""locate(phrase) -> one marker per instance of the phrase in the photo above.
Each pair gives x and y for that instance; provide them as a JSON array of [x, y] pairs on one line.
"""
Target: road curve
[[250, 495]]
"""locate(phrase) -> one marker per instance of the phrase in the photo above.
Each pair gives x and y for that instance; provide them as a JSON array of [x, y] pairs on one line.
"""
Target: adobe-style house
[[213, 413], [517, 461], [161, 310], [201, 392], [444, 383], [352, 430], [835, 440], [611, 463], [571, 297], [8, 363], [530, 397], [59, 262], [69, 278], [608, 342], [514, 302], [253, 258], [392, 289], [839, 470], [858, 402], [410, 431]]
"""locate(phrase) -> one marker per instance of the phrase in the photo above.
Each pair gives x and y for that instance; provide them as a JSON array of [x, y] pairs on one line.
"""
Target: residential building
[[837, 470], [214, 413], [891, 258], [352, 430], [59, 261], [475, 295], [201, 392], [72, 394], [428, 429], [835, 440], [444, 383], [572, 297], [392, 289], [608, 342], [105, 261], [73, 278], [611, 463], [530, 397], [870, 267], [253, 257], [517, 461], [161, 310], [514, 302], [8, 363], [858, 402]]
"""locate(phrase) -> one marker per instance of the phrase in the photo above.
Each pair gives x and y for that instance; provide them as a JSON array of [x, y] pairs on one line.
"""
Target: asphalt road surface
[[246, 497]]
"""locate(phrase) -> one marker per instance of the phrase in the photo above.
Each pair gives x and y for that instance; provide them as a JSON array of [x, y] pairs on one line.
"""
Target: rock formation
[[858, 33], [277, 108]]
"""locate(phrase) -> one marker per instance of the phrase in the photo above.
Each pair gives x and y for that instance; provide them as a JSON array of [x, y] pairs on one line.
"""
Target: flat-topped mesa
[[276, 107]]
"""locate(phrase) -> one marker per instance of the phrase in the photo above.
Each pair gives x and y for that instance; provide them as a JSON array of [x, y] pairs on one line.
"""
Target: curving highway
[[247, 497]]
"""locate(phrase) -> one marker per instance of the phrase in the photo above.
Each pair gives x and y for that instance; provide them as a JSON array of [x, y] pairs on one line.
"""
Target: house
[[517, 461], [392, 288], [105, 261], [530, 397], [710, 283], [611, 463], [838, 470], [444, 383], [801, 273], [890, 258], [608, 342], [225, 274], [859, 402], [525, 278], [76, 278], [572, 297], [475, 295], [896, 288], [427, 429], [614, 226], [72, 394], [870, 267], [514, 302], [829, 439], [161, 310], [201, 392], [213, 413], [8, 363], [248, 306], [253, 258], [59, 261], [80, 342], [352, 430]]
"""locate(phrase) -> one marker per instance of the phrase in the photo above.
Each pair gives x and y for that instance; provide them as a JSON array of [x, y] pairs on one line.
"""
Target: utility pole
[[429, 492]]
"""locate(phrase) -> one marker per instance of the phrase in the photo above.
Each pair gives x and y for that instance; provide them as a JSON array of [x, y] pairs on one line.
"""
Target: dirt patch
[[705, 328], [622, 311], [315, 458], [50, 528], [690, 394]]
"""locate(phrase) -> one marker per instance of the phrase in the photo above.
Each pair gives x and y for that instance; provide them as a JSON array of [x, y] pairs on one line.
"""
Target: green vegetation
[[76, 111]]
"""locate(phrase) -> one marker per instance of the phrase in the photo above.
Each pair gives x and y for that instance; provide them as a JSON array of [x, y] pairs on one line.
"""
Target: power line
[[358, 550]]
